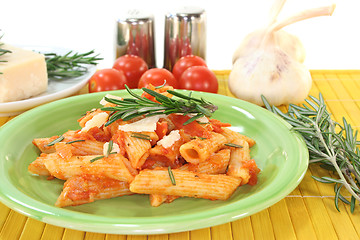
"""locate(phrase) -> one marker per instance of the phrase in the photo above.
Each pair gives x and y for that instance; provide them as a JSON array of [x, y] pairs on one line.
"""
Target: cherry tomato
[[157, 77], [133, 67], [106, 80], [199, 78], [185, 62]]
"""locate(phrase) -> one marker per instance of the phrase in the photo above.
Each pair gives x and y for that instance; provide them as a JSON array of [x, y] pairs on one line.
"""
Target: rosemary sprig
[[69, 65], [337, 151], [3, 51], [129, 108]]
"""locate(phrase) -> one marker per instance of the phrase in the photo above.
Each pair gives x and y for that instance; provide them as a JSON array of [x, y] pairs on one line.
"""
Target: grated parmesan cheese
[[97, 121], [147, 124], [169, 140]]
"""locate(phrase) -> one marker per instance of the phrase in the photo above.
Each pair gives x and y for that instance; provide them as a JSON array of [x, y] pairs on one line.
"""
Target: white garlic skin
[[270, 72], [289, 43]]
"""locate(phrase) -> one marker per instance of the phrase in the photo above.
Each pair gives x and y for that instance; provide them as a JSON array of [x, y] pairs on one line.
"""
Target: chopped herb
[[233, 145], [59, 139], [203, 122], [79, 140], [110, 147], [141, 136], [161, 85], [201, 138], [171, 175], [100, 157], [97, 158]]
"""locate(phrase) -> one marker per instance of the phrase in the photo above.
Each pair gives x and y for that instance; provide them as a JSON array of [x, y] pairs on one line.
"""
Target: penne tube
[[137, 149], [232, 135], [198, 150], [38, 166], [65, 168], [83, 189], [238, 157], [41, 144], [158, 199], [189, 184], [168, 156], [215, 164]]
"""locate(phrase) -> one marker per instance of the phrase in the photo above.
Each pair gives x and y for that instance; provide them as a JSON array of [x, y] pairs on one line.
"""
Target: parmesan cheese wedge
[[97, 121], [147, 124], [23, 75], [170, 139]]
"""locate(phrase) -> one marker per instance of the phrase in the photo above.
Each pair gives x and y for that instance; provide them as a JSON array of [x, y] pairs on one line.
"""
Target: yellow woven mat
[[306, 213]]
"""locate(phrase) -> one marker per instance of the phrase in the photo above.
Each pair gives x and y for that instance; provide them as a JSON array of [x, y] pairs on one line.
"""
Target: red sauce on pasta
[[253, 171], [193, 128]]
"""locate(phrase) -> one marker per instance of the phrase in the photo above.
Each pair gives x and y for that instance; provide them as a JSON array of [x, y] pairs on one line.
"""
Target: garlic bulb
[[272, 73], [268, 68]]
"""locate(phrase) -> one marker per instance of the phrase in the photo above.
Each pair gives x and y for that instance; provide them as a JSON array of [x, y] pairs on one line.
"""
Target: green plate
[[280, 154]]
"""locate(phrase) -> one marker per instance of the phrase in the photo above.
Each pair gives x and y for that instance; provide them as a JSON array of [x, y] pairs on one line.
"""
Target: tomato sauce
[[253, 171], [193, 128]]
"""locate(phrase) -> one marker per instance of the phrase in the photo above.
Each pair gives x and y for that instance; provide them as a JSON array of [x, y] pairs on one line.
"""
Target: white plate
[[56, 88]]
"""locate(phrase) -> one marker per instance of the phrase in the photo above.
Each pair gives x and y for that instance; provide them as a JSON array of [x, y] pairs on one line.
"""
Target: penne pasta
[[238, 157], [137, 149], [158, 199], [88, 188], [38, 166], [166, 155], [215, 164], [65, 168], [188, 184], [198, 150], [232, 135]]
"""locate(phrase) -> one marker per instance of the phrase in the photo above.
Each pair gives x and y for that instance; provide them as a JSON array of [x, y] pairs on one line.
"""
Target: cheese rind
[[24, 74]]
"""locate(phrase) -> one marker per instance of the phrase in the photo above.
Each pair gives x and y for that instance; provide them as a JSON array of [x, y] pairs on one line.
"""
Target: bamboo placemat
[[306, 213]]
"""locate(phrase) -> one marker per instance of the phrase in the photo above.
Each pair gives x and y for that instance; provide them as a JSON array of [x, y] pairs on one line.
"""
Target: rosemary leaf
[[59, 139], [140, 136], [233, 145], [79, 140], [171, 175], [97, 158], [110, 147]]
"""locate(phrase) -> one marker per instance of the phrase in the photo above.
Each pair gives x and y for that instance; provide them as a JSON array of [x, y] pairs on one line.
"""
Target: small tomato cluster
[[189, 72]]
